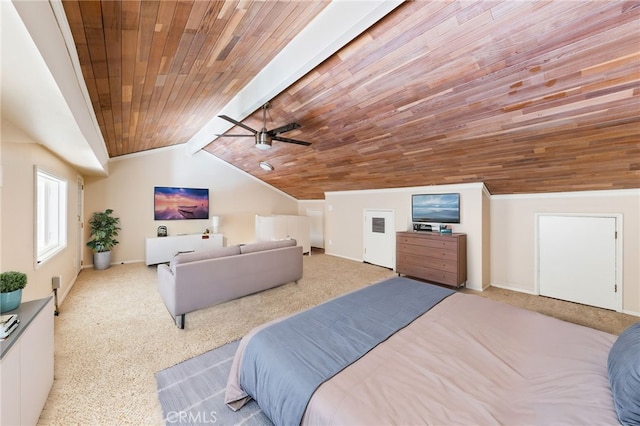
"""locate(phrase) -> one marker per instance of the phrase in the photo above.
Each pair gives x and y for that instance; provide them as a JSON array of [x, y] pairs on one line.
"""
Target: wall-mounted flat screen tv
[[435, 208], [171, 203]]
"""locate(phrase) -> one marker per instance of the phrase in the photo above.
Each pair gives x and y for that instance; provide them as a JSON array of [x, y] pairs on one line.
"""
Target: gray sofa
[[201, 279]]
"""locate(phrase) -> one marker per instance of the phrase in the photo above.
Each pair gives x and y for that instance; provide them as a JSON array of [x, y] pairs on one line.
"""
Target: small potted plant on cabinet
[[11, 285], [103, 229]]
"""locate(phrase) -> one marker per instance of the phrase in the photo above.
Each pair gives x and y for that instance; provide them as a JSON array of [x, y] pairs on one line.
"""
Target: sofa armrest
[[167, 287]]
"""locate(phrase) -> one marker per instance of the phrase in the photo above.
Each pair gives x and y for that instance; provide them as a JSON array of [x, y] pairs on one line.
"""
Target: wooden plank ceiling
[[524, 96]]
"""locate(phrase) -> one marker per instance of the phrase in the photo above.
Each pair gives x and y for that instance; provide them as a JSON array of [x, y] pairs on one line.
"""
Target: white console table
[[162, 249], [26, 361]]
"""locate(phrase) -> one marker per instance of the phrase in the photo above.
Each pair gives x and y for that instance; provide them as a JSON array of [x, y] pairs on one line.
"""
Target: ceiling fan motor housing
[[263, 140]]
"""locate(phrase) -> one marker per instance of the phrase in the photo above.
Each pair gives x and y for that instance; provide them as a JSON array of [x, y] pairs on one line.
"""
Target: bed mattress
[[468, 360]]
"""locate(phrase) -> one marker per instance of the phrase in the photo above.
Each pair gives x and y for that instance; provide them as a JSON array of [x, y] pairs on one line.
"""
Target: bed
[[460, 359]]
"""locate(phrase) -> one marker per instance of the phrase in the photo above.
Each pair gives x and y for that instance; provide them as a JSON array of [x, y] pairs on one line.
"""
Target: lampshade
[[215, 223]]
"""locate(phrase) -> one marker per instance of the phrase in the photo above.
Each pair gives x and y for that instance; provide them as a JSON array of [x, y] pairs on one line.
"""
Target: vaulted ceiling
[[524, 96]]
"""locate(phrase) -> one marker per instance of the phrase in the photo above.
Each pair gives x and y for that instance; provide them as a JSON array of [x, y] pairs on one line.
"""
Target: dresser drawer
[[446, 243], [428, 274], [450, 265], [438, 253]]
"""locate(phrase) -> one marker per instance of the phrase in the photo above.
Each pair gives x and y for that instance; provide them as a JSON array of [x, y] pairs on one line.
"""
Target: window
[[51, 215], [377, 225]]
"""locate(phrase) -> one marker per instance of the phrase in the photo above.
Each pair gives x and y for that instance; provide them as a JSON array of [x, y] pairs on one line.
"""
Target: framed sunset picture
[[172, 203]]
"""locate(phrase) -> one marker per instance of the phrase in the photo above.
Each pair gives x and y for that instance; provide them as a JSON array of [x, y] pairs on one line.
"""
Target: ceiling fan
[[264, 137]]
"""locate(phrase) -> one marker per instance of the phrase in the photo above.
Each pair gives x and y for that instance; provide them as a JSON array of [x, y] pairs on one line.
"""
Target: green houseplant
[[103, 228], [11, 285]]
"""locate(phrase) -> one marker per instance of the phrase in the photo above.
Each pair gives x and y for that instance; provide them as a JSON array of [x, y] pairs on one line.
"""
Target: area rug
[[192, 392]]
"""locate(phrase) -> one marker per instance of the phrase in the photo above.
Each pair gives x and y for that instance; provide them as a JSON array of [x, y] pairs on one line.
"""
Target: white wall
[[513, 235], [19, 156], [344, 221], [303, 205], [235, 196]]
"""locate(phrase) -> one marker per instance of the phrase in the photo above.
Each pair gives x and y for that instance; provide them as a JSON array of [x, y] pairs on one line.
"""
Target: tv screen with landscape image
[[435, 208], [171, 203]]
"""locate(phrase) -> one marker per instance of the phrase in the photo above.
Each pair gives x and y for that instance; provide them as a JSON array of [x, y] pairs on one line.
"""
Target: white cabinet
[[279, 227], [162, 249], [27, 364], [10, 388]]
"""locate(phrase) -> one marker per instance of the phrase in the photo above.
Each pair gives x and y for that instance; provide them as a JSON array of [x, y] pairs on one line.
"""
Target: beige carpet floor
[[113, 333]]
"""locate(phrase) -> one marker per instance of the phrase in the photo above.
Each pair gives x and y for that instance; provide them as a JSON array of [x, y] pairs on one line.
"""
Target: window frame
[[50, 223]]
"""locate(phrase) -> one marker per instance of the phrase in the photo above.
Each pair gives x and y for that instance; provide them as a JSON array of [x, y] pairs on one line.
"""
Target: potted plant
[[103, 229], [11, 285]]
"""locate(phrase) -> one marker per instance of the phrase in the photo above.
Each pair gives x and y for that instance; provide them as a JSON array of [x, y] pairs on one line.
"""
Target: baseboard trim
[[632, 313], [343, 257], [89, 266], [519, 290]]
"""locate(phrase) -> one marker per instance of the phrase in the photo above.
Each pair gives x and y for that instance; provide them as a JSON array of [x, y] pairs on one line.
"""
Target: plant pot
[[10, 301], [102, 260]]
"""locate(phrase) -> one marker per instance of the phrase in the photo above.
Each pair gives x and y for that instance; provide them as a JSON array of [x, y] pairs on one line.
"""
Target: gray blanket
[[318, 343]]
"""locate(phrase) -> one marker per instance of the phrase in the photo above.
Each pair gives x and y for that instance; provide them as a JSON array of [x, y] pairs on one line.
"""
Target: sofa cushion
[[266, 245], [202, 255]]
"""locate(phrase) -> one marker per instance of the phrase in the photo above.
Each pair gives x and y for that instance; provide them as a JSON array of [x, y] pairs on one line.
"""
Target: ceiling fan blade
[[282, 129], [236, 136], [281, 139], [237, 123]]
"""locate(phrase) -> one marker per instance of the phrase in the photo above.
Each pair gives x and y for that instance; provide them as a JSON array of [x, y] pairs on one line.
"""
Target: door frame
[[316, 212], [79, 260], [618, 248]]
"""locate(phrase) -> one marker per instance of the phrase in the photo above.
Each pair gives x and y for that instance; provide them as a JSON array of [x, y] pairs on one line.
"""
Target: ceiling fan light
[[266, 166], [263, 145]]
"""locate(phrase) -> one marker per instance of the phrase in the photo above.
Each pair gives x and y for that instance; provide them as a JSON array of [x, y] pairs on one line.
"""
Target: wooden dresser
[[439, 258]]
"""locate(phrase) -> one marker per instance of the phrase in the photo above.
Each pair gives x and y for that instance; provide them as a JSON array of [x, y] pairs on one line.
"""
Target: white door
[[577, 259], [379, 238], [316, 227]]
